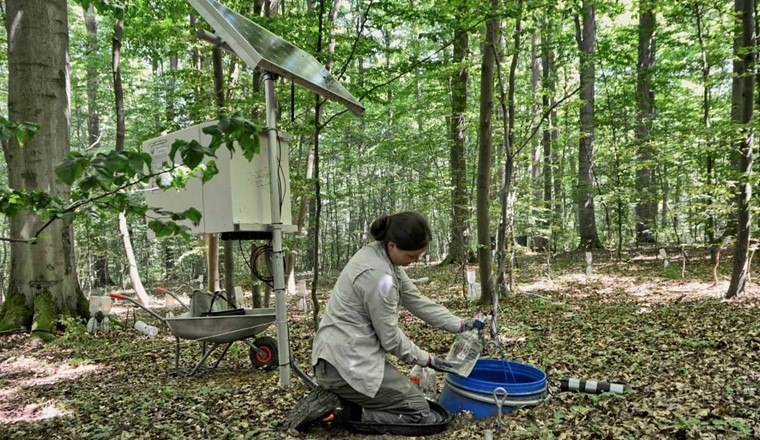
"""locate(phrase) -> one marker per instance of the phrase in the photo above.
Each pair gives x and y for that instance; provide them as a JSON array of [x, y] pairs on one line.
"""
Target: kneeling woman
[[360, 325]]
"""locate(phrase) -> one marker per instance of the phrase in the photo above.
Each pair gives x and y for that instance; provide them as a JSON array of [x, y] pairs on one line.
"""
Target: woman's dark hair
[[409, 230]]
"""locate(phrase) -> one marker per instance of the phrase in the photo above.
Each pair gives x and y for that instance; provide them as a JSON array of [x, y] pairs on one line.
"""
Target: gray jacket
[[360, 324]]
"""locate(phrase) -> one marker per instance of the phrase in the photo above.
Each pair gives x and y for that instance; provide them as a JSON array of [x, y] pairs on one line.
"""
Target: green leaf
[[145, 158], [558, 417], [193, 154], [159, 228], [71, 168], [178, 145], [193, 215], [136, 163], [209, 171], [25, 132], [12, 203], [250, 144]]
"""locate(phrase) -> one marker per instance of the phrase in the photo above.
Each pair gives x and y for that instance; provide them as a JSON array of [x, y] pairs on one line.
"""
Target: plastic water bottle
[[429, 383], [92, 325], [425, 379], [415, 376], [465, 351], [105, 326], [146, 329]]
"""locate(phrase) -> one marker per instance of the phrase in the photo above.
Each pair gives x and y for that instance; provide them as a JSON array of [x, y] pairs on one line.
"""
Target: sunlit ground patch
[[17, 374]]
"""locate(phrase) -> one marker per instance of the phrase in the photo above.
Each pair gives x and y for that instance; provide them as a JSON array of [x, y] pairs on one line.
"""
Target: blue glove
[[470, 324], [441, 365]]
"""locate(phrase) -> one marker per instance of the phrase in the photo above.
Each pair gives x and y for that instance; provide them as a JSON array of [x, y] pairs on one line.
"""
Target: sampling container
[[525, 386]]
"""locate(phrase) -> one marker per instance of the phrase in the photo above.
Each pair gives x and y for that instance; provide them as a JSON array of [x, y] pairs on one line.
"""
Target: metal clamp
[[499, 396]]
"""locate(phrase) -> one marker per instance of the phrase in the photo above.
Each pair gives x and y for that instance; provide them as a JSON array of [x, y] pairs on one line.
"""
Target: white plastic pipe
[[278, 271]]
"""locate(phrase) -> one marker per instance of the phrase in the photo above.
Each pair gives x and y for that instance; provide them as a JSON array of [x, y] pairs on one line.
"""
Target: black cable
[[14, 331], [247, 260], [255, 255]]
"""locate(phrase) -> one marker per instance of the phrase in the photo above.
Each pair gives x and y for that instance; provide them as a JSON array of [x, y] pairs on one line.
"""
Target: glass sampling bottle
[[465, 351]]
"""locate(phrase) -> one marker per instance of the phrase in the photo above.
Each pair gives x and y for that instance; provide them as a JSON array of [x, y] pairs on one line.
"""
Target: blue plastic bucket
[[525, 386]]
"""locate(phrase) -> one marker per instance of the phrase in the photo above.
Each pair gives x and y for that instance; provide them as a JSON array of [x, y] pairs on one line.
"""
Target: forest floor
[[691, 358]]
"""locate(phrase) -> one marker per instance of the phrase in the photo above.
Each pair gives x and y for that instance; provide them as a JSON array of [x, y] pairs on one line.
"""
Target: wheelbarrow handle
[[115, 295], [163, 290]]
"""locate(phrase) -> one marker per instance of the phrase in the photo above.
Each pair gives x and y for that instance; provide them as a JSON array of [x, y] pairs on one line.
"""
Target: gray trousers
[[397, 400]]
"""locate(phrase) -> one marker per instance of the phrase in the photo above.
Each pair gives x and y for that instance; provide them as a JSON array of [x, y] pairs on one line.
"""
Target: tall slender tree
[[549, 135], [460, 207], [504, 277], [699, 11], [102, 277], [118, 92], [485, 154], [586, 38], [646, 206], [742, 111]]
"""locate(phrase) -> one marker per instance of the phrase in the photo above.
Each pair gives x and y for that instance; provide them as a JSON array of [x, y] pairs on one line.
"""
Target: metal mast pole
[[278, 271]]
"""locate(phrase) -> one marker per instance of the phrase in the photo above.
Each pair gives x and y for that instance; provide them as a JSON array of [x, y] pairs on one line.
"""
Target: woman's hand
[[441, 365], [472, 324]]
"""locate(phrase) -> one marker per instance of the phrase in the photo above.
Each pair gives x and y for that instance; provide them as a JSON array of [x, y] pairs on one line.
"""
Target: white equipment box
[[237, 199]]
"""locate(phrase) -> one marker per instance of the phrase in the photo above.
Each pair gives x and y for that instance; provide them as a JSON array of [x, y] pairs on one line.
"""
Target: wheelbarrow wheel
[[267, 360], [315, 407]]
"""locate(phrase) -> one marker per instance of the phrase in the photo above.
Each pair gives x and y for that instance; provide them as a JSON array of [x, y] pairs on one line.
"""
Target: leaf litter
[[691, 359]]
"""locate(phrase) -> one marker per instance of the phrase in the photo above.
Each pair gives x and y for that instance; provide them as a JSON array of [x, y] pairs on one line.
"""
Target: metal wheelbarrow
[[221, 330]]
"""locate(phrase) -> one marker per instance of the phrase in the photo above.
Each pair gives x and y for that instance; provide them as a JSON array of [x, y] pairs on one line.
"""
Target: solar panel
[[259, 47]]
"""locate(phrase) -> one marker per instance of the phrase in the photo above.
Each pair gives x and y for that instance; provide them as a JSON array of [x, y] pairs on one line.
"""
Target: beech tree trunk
[[43, 281], [118, 91], [100, 266], [646, 206], [212, 240], [506, 249], [485, 154], [550, 129], [742, 110], [459, 243], [706, 120], [93, 116], [586, 39]]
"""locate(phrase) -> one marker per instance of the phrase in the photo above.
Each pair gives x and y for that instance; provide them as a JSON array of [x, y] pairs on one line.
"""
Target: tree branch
[[411, 68], [544, 116]]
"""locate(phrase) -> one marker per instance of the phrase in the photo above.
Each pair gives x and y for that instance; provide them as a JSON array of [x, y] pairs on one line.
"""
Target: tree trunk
[[100, 266], [118, 91], [212, 262], [459, 243], [505, 276], [134, 274], [93, 117], [646, 206], [547, 102], [43, 280], [742, 109], [196, 64], [300, 220], [535, 164], [485, 153], [316, 218], [706, 120], [212, 240], [229, 254], [586, 39]]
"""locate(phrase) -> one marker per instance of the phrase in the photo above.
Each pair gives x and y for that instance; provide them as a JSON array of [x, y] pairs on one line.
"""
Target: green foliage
[[396, 56], [22, 132], [102, 179]]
